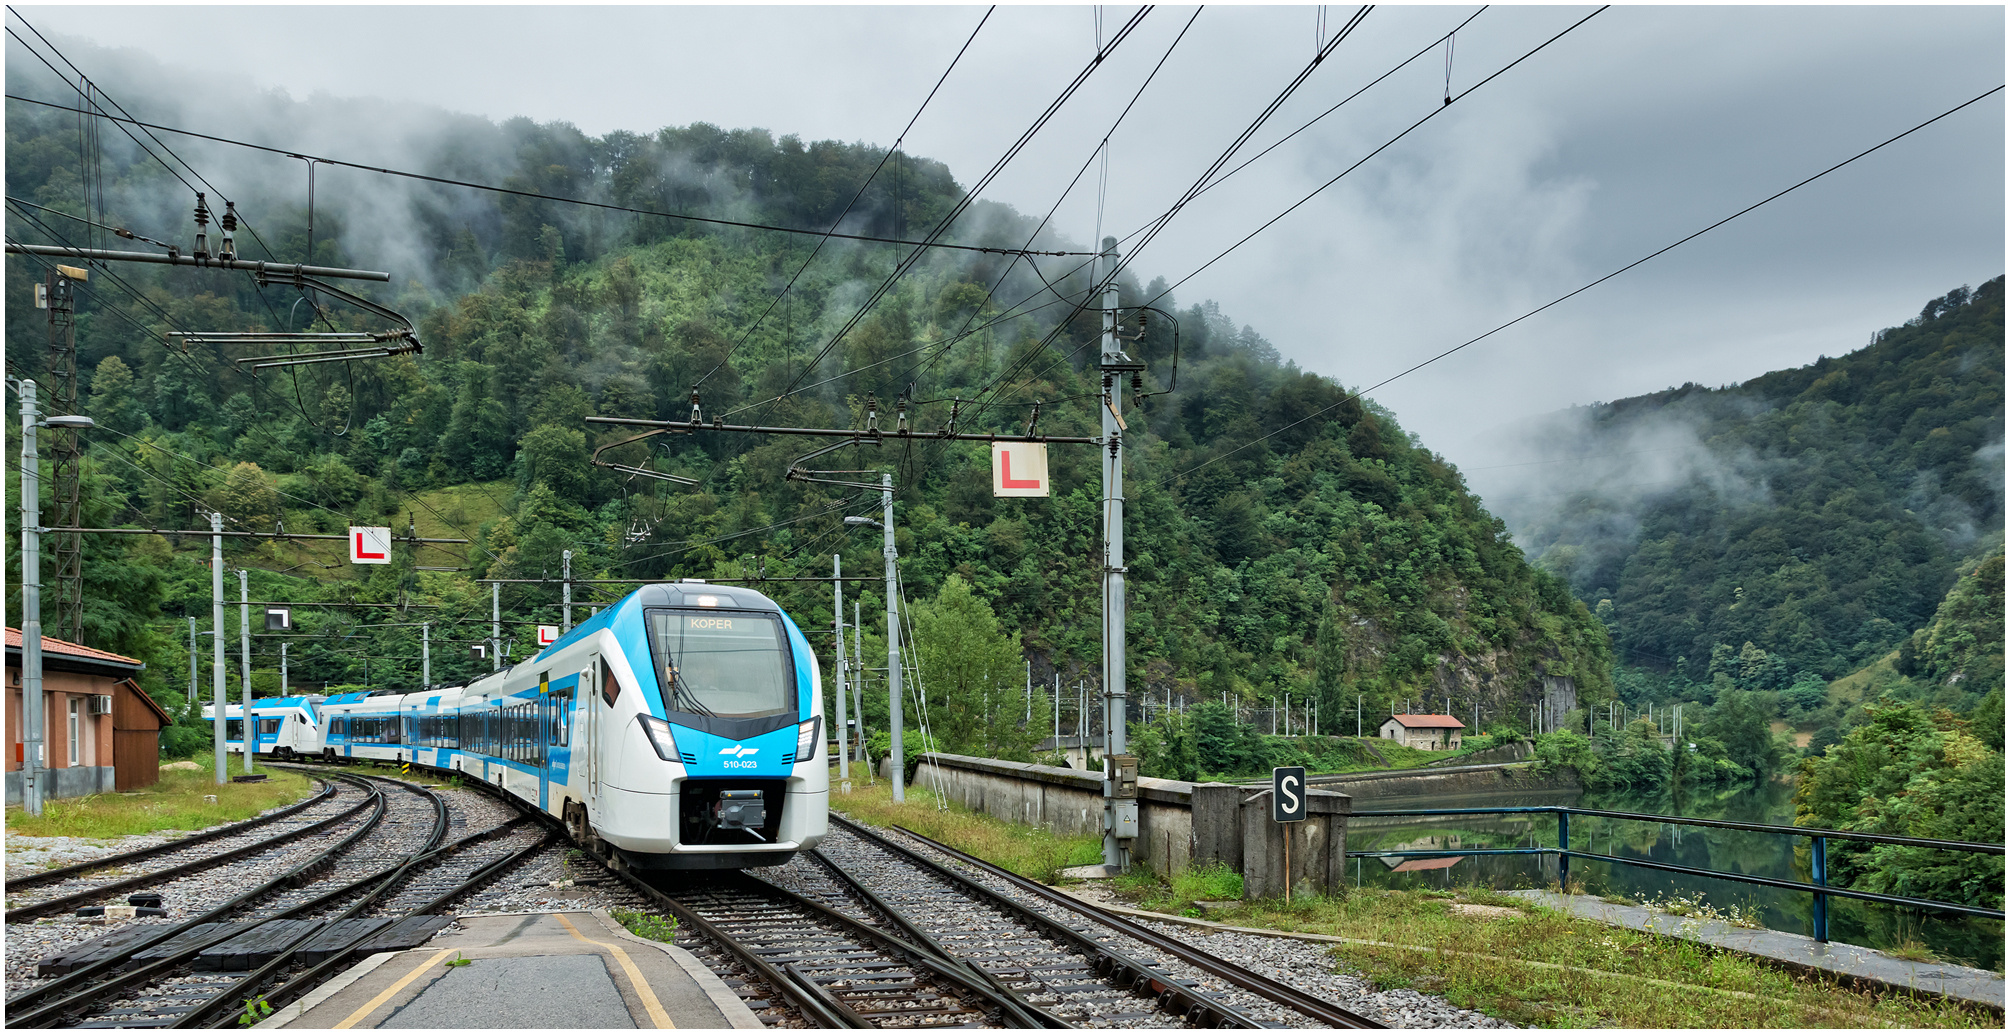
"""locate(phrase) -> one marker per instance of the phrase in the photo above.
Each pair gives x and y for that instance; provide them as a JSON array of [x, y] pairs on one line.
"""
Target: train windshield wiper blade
[[680, 690]]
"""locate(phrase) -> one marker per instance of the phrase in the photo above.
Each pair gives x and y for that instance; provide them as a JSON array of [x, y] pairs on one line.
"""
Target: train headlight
[[806, 738], [660, 737]]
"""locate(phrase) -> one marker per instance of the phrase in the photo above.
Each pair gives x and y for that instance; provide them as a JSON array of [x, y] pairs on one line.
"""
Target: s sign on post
[[1287, 804]]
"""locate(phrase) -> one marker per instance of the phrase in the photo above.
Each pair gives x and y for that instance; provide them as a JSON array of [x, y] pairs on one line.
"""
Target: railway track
[[872, 930], [106, 878], [290, 933]]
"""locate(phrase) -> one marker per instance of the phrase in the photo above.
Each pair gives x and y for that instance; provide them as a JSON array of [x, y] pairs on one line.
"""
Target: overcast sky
[[1631, 131]]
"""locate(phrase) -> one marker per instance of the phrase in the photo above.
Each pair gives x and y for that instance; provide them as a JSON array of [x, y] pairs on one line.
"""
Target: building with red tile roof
[[1424, 731], [101, 731]]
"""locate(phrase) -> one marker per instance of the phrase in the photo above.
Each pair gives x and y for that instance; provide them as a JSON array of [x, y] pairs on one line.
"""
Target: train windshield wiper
[[679, 690]]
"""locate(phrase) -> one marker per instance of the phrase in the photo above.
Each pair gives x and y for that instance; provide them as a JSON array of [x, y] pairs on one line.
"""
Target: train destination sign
[[1018, 468], [1287, 794]]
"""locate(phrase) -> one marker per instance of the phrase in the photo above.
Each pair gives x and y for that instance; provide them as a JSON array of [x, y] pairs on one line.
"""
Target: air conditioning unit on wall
[[101, 704]]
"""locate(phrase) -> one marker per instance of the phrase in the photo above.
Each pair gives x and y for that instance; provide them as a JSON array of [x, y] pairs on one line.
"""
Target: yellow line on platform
[[361, 1014], [656, 1014]]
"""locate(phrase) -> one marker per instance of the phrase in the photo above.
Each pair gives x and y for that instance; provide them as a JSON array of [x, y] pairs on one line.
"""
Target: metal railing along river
[[1817, 885]]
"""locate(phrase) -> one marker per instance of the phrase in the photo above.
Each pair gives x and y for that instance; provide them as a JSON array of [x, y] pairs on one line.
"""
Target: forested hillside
[[1816, 516], [1336, 557]]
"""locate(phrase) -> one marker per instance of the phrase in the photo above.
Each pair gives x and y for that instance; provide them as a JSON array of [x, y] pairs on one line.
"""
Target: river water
[[1779, 856]]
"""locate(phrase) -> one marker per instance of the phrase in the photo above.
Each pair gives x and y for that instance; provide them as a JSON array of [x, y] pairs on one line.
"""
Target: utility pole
[[1115, 363], [1029, 696], [194, 687], [65, 457], [31, 605], [1357, 715], [244, 655], [858, 687], [567, 576], [1057, 710], [495, 626], [216, 633], [425, 654], [283, 644], [843, 730], [892, 636]]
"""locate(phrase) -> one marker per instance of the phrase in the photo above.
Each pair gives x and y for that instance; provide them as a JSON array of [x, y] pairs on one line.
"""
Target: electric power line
[[1355, 396], [531, 194]]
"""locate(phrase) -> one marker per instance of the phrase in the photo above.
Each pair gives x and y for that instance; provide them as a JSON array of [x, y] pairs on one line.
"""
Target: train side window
[[610, 687]]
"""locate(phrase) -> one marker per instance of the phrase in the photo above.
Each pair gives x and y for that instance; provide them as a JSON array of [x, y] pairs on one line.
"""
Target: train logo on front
[[739, 753]]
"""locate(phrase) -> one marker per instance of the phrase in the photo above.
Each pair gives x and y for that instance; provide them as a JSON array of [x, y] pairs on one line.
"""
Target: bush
[[1558, 750]]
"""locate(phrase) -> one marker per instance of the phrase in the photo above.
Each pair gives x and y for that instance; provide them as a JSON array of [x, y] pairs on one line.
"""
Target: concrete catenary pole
[[282, 667], [31, 606], [244, 659], [216, 676], [1116, 852], [837, 672], [426, 654], [894, 721], [858, 684], [567, 577], [495, 626]]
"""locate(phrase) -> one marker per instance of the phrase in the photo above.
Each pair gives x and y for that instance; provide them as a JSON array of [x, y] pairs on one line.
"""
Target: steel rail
[[924, 951], [148, 974], [1111, 963], [812, 1000], [68, 984], [65, 902], [221, 1007], [1034, 1016], [47, 876], [1276, 991], [809, 1003]]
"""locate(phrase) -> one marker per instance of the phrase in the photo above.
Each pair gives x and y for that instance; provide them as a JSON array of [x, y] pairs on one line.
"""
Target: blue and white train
[[679, 727], [283, 727]]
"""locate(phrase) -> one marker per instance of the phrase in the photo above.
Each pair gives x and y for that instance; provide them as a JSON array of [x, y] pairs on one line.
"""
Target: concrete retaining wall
[[1067, 801], [1178, 825]]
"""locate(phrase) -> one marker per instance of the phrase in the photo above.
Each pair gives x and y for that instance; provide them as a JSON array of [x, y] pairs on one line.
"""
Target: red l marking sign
[[1005, 469], [362, 554]]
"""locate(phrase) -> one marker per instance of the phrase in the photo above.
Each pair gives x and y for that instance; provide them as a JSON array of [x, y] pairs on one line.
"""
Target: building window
[[76, 730]]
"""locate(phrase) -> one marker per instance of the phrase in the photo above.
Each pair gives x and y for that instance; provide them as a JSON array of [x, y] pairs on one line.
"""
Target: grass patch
[[1534, 965], [647, 925], [176, 802], [1030, 851], [1178, 895]]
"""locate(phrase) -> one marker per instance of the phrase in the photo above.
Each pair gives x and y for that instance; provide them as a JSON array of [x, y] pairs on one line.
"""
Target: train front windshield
[[721, 664]]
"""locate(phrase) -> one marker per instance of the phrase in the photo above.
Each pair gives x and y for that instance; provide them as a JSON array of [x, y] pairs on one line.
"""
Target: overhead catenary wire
[[1357, 395], [531, 194], [969, 197], [1435, 112], [849, 205], [1159, 222]]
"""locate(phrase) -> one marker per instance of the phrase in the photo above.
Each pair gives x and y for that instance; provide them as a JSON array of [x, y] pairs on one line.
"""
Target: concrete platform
[[564, 970], [1978, 986]]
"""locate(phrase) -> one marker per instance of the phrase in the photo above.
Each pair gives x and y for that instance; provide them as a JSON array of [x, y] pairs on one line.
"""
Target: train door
[[593, 707]]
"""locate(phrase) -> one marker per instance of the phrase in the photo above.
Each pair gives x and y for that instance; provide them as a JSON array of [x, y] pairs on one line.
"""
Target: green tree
[[1907, 773], [974, 675], [556, 456]]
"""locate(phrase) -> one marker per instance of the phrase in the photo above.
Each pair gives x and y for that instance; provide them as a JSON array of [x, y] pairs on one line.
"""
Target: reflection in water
[[1974, 942]]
